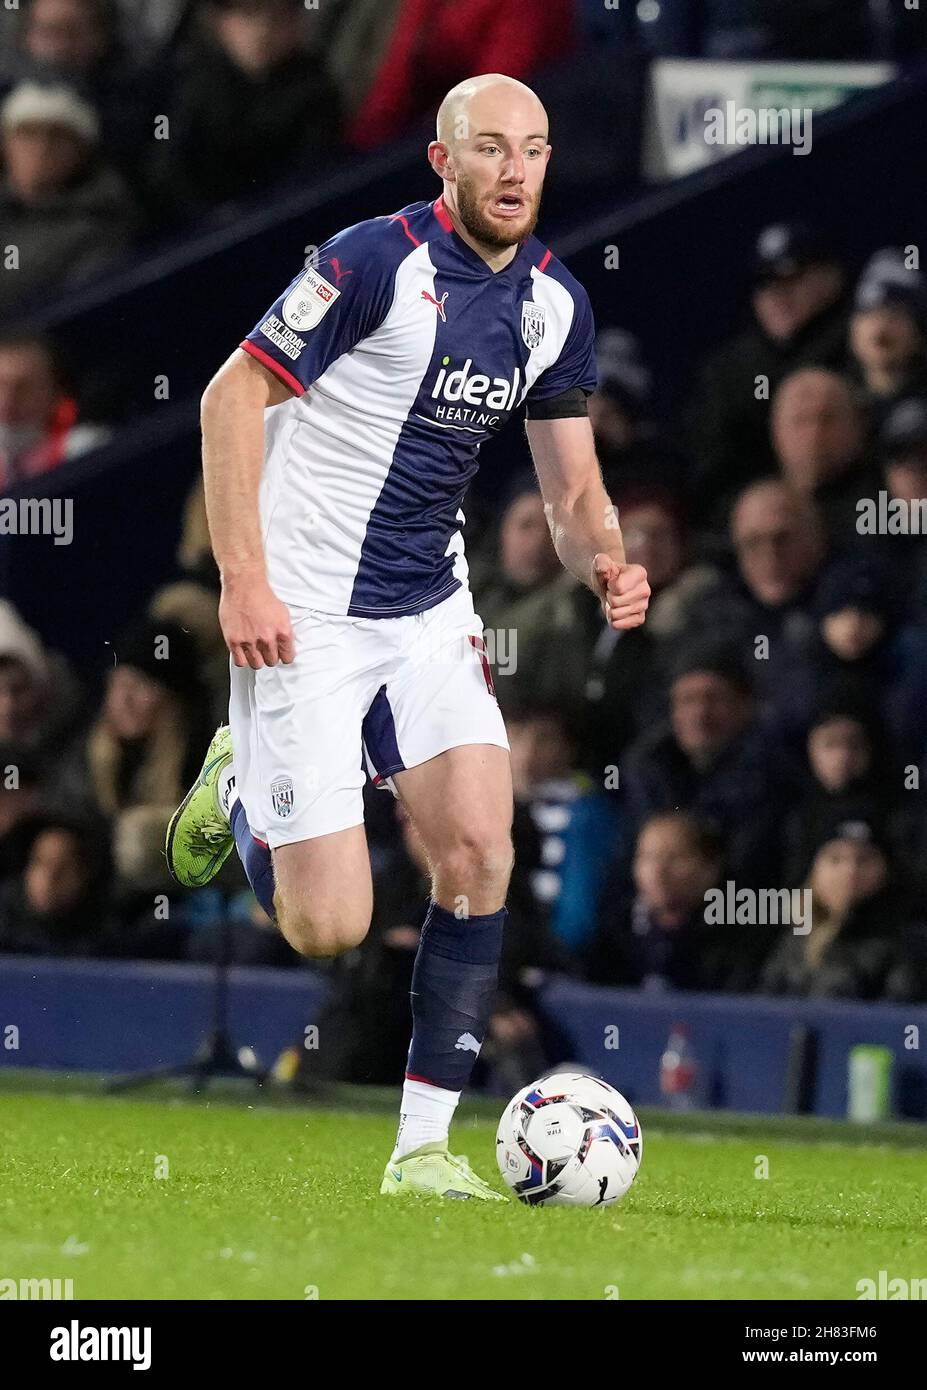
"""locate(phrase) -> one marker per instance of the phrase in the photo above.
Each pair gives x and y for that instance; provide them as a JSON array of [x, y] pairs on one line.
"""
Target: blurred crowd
[[122, 121], [763, 729]]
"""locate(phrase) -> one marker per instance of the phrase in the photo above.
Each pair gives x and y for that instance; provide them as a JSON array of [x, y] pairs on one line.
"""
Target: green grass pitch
[[279, 1200]]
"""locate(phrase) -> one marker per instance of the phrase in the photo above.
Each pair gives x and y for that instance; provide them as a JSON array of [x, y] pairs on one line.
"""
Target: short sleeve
[[575, 367], [327, 309]]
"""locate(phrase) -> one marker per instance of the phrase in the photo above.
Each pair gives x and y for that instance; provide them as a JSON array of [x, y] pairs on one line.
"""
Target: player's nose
[[513, 170]]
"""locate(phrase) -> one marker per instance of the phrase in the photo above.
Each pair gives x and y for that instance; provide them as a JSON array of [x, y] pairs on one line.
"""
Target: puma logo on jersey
[[467, 1043], [438, 303]]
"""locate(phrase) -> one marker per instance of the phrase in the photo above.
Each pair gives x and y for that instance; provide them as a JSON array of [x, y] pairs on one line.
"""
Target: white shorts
[[388, 693]]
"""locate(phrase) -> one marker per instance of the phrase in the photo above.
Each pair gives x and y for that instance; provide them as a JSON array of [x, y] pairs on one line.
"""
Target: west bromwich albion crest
[[532, 324], [281, 795]]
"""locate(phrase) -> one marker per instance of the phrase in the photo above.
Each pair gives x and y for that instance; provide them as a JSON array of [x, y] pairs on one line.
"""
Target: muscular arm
[[583, 523], [255, 624]]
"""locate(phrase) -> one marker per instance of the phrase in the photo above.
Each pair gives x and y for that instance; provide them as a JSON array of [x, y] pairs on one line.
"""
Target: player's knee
[[477, 858], [319, 932]]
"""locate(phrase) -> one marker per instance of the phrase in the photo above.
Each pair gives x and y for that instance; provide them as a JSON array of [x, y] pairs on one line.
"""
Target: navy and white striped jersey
[[404, 351]]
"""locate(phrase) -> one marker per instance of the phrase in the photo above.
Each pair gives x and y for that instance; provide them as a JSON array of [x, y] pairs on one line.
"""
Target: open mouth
[[508, 205]]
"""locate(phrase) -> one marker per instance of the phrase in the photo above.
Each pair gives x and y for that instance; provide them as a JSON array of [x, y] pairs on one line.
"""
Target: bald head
[[779, 539], [473, 102], [817, 426], [491, 152]]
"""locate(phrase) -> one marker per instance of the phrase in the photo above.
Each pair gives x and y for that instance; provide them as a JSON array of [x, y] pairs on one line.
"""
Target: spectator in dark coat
[[799, 317], [714, 759], [253, 107], [58, 904], [818, 429], [847, 774], [69, 214], [888, 348], [862, 943], [763, 606], [861, 646], [656, 936], [631, 451], [20, 801], [897, 542]]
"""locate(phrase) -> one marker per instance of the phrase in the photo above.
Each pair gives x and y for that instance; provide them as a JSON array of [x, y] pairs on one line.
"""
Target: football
[[569, 1140]]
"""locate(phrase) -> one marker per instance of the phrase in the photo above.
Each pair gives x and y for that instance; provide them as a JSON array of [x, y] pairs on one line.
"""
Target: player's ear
[[439, 157]]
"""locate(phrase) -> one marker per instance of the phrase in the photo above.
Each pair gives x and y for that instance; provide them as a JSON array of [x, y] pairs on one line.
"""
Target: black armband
[[563, 407]]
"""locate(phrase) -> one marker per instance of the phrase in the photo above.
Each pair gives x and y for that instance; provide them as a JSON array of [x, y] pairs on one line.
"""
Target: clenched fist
[[624, 591]]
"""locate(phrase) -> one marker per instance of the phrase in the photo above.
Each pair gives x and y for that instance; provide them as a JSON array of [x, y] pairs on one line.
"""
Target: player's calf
[[320, 933], [324, 894]]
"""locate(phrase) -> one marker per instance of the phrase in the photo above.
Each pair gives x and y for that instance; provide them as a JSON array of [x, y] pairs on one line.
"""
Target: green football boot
[[433, 1172], [199, 837]]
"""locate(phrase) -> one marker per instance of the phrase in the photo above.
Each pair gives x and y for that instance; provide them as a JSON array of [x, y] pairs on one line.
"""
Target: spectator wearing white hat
[[84, 45], [66, 213]]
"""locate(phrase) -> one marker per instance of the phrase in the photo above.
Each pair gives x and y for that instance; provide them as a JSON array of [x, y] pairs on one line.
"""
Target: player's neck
[[497, 258]]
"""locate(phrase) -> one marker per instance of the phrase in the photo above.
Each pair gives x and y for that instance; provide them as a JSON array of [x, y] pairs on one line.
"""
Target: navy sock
[[453, 986], [256, 858]]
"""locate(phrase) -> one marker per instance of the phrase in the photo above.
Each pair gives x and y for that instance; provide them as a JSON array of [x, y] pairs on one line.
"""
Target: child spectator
[[845, 748], [862, 940]]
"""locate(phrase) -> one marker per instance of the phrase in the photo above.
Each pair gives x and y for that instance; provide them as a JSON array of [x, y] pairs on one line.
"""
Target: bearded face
[[498, 217]]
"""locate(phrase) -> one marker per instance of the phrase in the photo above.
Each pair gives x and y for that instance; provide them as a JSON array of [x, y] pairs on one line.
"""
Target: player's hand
[[255, 624], [624, 592]]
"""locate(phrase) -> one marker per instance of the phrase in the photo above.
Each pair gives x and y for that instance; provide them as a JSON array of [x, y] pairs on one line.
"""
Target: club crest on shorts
[[532, 324], [281, 796]]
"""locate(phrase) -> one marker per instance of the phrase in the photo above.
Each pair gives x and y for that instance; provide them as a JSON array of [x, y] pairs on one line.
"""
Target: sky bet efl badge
[[532, 324], [310, 298]]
